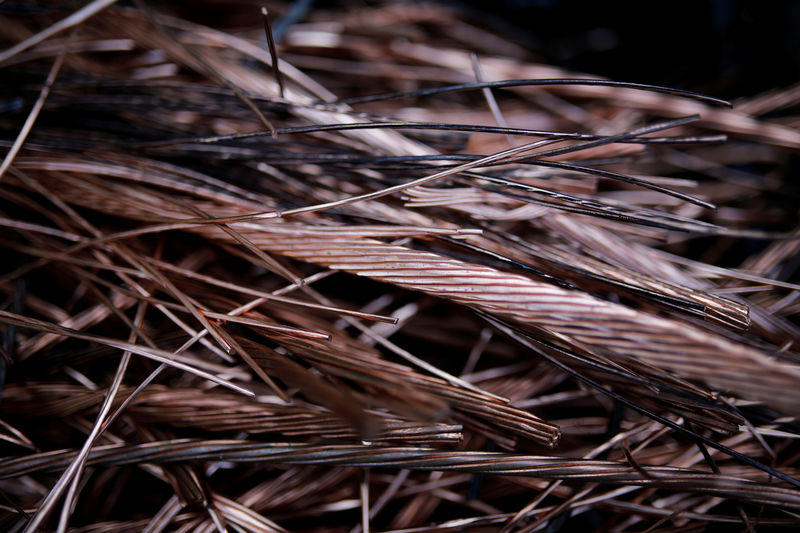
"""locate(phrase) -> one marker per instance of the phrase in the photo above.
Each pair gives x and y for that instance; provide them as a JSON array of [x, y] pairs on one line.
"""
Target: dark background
[[728, 48]]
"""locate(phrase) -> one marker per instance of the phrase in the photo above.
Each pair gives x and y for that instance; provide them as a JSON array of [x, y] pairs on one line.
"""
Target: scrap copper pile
[[404, 277]]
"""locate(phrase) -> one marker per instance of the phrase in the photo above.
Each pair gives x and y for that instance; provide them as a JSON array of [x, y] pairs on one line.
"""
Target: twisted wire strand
[[579, 319], [496, 463]]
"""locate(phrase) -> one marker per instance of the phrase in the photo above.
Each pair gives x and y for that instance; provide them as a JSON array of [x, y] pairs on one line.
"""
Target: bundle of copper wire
[[389, 274]]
